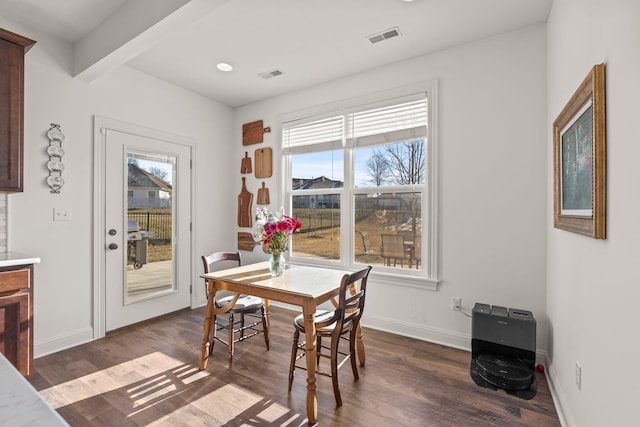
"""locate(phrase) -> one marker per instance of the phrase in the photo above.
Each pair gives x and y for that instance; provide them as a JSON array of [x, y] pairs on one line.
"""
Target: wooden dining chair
[[341, 323], [393, 248], [246, 305], [366, 242], [411, 243], [417, 251]]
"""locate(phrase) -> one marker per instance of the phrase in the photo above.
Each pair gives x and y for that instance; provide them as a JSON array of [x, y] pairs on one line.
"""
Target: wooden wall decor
[[245, 165], [263, 159], [245, 241], [252, 132], [263, 195], [245, 200]]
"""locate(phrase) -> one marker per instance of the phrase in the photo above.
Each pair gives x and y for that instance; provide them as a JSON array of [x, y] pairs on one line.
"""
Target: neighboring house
[[147, 190], [316, 200]]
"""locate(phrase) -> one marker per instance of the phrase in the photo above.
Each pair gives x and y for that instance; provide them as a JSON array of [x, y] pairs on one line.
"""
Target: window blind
[[388, 124], [319, 135], [399, 120]]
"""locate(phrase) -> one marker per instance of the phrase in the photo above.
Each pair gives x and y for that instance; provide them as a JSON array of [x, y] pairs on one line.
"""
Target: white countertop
[[20, 404], [9, 259]]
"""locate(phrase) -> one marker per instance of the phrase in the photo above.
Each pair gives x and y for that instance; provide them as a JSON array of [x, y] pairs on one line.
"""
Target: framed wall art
[[579, 142]]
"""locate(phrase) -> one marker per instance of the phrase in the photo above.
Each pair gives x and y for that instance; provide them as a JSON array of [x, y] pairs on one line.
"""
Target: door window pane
[[150, 225]]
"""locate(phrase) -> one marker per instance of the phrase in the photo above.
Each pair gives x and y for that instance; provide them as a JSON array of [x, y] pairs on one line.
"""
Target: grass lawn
[[325, 243]]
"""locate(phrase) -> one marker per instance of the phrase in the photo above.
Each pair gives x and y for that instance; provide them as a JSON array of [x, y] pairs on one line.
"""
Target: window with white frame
[[361, 180]]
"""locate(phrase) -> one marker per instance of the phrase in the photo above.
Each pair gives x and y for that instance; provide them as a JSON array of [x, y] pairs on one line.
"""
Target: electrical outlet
[[578, 375], [456, 303]]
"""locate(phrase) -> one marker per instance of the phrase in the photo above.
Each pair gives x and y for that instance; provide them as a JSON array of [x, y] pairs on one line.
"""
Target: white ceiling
[[311, 41]]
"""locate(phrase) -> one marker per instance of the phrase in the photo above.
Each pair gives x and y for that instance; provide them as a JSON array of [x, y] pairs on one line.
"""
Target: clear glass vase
[[276, 264]]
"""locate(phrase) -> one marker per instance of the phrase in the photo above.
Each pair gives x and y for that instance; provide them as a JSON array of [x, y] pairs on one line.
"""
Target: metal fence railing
[[157, 222]]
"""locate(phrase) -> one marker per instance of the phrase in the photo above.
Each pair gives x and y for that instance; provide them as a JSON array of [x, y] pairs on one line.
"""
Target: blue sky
[[148, 164], [331, 165]]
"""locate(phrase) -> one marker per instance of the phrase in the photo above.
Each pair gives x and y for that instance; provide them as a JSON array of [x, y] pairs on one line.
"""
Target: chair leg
[[214, 322], [294, 354], [335, 340], [265, 328], [231, 336], [352, 353], [241, 325], [318, 351]]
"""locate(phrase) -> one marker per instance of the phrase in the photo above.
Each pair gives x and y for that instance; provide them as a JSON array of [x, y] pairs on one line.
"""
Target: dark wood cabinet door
[[12, 50], [16, 316], [15, 330], [11, 89]]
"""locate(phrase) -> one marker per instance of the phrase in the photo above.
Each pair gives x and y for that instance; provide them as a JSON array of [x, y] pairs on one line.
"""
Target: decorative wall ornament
[[55, 165]]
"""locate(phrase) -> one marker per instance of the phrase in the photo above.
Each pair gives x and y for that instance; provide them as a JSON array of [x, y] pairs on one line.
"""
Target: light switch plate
[[62, 214]]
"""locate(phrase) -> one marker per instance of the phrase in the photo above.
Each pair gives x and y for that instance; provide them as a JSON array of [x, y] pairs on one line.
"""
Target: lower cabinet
[[16, 316]]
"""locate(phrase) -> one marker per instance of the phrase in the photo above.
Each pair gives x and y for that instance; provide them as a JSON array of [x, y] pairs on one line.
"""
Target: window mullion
[[347, 232]]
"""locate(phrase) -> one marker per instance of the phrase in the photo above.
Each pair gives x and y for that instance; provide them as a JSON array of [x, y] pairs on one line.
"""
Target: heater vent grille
[[272, 73], [384, 35]]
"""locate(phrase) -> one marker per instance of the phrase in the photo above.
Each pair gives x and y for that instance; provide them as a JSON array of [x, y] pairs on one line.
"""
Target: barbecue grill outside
[[137, 242]]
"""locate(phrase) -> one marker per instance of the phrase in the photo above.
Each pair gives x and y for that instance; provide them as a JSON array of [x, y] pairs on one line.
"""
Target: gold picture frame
[[579, 145]]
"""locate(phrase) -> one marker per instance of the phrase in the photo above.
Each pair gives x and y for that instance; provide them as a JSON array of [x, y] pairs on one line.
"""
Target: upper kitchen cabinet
[[12, 50]]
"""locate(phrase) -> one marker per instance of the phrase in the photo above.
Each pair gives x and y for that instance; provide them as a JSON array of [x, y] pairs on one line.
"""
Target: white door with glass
[[147, 222]]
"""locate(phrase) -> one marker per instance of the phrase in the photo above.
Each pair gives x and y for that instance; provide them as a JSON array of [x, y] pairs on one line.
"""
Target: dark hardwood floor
[[147, 374]]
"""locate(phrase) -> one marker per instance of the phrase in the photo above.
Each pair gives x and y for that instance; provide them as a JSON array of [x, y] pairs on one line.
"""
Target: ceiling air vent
[[384, 35], [273, 73]]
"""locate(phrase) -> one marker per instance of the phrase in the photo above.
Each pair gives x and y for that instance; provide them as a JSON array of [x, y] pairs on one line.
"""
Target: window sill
[[406, 281]]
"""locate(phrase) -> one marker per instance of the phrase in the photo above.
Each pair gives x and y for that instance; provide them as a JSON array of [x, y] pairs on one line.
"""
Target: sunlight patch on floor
[[138, 374], [231, 402]]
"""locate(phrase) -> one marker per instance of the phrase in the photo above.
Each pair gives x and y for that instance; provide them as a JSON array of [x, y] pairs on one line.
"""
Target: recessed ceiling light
[[223, 66]]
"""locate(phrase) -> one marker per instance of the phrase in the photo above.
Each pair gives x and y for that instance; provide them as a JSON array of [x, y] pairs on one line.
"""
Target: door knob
[[113, 246], [112, 232]]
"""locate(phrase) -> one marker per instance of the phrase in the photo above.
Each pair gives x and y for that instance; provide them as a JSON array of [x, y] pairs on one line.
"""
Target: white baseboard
[[421, 332], [62, 342], [557, 394]]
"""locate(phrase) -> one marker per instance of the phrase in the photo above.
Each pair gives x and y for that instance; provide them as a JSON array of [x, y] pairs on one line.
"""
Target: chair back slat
[[209, 260], [352, 296]]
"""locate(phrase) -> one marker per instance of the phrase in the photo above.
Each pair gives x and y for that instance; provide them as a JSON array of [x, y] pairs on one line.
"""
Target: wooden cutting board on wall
[[245, 165], [252, 132], [245, 199], [263, 195], [245, 241], [263, 162]]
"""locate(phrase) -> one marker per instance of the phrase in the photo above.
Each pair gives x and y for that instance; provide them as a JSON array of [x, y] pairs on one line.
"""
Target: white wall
[[63, 280], [593, 285], [492, 109]]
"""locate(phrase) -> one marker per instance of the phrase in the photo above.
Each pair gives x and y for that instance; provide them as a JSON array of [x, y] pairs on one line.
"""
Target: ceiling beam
[[131, 30]]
